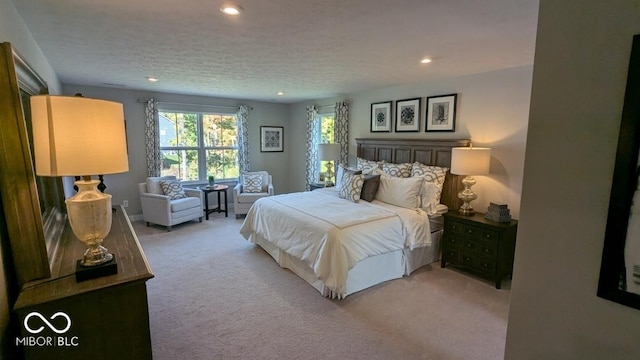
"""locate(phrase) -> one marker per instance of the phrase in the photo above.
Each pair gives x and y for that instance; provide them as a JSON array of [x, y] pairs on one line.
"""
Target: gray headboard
[[429, 152]]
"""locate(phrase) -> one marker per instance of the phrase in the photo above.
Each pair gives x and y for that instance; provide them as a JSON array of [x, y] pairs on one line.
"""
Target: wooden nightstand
[[479, 246], [314, 186]]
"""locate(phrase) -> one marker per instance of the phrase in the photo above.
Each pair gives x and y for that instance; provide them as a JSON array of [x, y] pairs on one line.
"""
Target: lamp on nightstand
[[329, 153], [469, 161], [81, 136]]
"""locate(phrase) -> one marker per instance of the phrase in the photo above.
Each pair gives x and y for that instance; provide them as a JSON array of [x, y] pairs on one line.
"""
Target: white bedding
[[331, 235]]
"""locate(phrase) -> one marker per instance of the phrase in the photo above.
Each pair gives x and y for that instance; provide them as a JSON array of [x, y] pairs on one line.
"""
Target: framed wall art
[[620, 267], [441, 113], [381, 117], [271, 139], [408, 115]]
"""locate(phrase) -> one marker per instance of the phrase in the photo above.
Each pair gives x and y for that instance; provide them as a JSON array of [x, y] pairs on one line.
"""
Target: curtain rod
[[191, 104]]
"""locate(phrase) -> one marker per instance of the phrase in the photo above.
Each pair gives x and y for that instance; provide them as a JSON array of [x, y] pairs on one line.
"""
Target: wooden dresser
[[109, 316], [480, 246]]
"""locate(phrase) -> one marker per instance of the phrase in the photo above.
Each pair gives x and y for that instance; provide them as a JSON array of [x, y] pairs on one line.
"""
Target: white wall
[[124, 186], [579, 78], [493, 110]]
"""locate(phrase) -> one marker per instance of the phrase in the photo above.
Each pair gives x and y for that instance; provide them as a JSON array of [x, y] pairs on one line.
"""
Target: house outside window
[[196, 145]]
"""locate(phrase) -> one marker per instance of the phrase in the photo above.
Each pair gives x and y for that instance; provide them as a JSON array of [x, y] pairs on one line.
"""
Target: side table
[[218, 189]]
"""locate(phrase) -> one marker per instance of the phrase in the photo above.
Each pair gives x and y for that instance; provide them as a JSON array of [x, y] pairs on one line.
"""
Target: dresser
[[479, 246], [101, 318]]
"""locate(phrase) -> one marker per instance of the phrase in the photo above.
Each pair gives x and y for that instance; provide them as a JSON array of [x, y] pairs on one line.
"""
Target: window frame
[[201, 149]]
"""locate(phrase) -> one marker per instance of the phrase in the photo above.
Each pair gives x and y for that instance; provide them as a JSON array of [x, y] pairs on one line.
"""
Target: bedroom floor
[[217, 296]]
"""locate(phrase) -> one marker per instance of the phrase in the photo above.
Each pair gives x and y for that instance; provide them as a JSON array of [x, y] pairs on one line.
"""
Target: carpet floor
[[217, 296]]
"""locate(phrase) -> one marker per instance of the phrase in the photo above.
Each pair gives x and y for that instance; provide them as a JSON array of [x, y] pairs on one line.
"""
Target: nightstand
[[479, 246], [314, 186]]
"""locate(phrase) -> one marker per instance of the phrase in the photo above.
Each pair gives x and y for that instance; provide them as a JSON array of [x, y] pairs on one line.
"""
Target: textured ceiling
[[306, 48]]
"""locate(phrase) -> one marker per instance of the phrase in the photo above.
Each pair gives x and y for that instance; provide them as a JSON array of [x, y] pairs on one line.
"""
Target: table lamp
[[469, 161], [78, 136], [329, 152]]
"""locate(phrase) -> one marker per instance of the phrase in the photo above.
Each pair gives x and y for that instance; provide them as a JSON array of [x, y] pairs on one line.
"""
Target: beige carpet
[[216, 296]]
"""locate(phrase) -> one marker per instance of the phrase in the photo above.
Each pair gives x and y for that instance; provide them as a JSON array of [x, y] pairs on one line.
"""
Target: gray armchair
[[242, 200], [158, 208]]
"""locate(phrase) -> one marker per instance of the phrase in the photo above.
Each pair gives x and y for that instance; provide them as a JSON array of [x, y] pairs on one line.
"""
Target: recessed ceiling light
[[152, 79], [425, 61], [231, 9], [280, 93]]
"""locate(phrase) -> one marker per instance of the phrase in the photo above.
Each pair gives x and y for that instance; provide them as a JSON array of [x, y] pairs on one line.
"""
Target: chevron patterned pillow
[[252, 183], [173, 189]]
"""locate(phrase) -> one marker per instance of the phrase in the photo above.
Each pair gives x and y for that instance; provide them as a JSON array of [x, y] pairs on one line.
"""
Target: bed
[[342, 247]]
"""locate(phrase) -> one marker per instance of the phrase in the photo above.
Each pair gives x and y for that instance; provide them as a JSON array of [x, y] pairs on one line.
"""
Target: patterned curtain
[[152, 138], [313, 137], [342, 130], [243, 138]]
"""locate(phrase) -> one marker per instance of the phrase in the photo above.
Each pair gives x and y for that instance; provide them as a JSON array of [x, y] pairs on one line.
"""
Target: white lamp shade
[[470, 160], [329, 152], [78, 136]]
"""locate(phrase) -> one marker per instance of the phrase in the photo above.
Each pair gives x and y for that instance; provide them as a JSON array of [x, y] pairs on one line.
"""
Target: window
[[327, 136], [197, 145]]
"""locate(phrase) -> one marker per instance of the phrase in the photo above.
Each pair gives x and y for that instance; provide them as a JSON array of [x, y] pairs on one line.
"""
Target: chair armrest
[[193, 192], [237, 190], [154, 197]]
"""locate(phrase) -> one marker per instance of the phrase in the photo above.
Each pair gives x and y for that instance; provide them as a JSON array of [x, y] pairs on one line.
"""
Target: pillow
[[351, 186], [173, 189], [370, 187], [252, 183], [403, 192], [397, 170], [368, 166], [434, 174], [340, 173], [430, 197]]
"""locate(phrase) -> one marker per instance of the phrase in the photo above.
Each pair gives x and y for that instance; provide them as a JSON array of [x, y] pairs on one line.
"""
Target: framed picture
[[381, 117], [441, 113], [620, 268], [271, 139], [408, 115]]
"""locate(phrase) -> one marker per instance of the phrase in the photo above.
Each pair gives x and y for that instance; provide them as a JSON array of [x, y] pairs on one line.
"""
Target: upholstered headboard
[[429, 152]]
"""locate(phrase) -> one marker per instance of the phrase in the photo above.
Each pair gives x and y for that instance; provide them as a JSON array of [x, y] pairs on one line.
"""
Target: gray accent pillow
[[173, 189], [370, 187]]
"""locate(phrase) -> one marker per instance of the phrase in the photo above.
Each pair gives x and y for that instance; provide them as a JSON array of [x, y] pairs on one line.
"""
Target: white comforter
[[330, 234]]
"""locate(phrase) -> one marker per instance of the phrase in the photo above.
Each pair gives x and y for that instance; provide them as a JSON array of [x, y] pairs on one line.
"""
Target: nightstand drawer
[[451, 255], [479, 233], [473, 262], [480, 247], [452, 227], [452, 242]]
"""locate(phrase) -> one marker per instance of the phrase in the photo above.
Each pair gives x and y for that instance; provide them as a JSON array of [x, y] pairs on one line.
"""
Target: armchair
[[242, 200], [158, 208]]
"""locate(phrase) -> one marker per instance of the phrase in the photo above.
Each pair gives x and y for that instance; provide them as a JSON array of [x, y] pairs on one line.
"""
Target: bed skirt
[[366, 273]]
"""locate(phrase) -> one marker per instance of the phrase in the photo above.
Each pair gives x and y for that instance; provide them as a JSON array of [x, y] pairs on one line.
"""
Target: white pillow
[[153, 184], [430, 197], [403, 192], [434, 174], [351, 186]]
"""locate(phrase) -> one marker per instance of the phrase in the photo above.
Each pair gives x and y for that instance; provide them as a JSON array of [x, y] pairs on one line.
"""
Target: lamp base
[[84, 273], [467, 196]]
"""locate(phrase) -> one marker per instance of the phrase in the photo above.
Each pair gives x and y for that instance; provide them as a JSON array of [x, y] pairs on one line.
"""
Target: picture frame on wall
[[381, 116], [441, 113], [271, 139], [620, 266], [408, 115]]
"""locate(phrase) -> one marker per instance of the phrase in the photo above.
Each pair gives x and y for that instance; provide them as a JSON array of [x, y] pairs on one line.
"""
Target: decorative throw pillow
[[370, 187], [173, 189], [341, 171], [252, 183], [403, 192], [429, 197], [368, 166], [397, 170], [351, 186], [434, 174]]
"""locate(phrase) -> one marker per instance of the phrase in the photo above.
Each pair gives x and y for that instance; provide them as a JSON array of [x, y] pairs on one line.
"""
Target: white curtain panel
[[313, 137], [342, 130], [243, 137], [152, 137]]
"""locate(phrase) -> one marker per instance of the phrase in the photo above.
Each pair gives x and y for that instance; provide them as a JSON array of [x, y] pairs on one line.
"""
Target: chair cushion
[[252, 183], [184, 203], [250, 197], [173, 189], [153, 184]]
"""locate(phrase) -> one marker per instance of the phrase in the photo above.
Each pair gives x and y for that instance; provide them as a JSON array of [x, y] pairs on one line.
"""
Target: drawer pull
[[488, 236], [487, 250], [469, 245], [486, 266]]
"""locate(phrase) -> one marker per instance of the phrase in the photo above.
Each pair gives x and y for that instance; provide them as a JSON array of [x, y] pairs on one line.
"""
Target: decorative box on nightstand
[[480, 246]]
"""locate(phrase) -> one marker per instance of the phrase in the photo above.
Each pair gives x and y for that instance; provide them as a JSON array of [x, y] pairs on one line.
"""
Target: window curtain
[[152, 137], [243, 138], [313, 137], [341, 118]]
